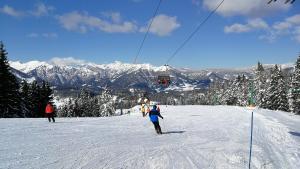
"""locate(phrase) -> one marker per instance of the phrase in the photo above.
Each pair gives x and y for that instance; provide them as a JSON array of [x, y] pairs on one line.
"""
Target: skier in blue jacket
[[154, 114]]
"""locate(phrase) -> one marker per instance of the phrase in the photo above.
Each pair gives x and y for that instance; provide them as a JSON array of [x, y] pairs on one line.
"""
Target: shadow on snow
[[173, 132], [294, 133]]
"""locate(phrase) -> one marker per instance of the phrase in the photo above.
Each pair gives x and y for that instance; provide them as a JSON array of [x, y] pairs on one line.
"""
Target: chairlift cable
[[194, 32], [286, 2], [146, 34]]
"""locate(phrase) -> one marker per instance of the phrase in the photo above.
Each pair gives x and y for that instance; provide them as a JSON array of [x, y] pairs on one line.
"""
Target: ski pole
[[164, 123]]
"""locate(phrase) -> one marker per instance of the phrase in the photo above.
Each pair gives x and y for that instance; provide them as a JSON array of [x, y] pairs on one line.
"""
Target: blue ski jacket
[[154, 114]]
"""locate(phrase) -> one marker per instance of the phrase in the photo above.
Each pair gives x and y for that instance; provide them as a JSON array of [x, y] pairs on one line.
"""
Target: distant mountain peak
[[28, 66]]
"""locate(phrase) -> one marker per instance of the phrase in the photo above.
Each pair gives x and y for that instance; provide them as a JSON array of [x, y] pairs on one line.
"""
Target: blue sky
[[241, 33]]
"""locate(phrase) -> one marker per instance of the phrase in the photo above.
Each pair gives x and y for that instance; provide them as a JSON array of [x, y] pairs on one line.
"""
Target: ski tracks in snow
[[273, 145]]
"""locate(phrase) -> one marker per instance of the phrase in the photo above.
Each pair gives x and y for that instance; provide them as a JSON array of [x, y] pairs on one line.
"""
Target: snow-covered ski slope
[[199, 137]]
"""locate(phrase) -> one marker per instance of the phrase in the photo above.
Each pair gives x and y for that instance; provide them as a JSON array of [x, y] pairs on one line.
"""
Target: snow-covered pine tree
[[276, 95], [81, 106], [227, 96], [10, 100], [107, 107], [66, 110], [215, 93], [72, 107], [63, 111], [272, 92], [236, 94], [260, 85], [295, 89], [282, 99], [96, 108], [84, 103], [75, 109], [26, 100], [34, 95], [242, 92]]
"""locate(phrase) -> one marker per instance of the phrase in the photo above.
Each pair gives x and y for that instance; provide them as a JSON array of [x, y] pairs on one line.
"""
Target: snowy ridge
[[120, 76], [116, 75], [28, 66], [121, 67], [116, 66]]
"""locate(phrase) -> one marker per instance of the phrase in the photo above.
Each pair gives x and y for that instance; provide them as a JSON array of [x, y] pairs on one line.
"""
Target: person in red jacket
[[50, 112]]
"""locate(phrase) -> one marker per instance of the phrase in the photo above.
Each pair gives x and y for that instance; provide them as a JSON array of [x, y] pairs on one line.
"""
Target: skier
[[145, 107], [158, 109], [143, 110], [50, 112], [154, 114]]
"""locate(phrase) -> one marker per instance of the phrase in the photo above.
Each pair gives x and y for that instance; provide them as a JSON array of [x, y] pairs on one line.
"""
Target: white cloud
[[287, 23], [296, 34], [114, 16], [236, 28], [290, 26], [258, 23], [33, 35], [252, 25], [294, 19], [11, 11], [112, 22], [251, 8], [41, 10], [44, 35], [49, 35], [68, 61], [83, 22], [270, 36], [162, 25], [280, 26]]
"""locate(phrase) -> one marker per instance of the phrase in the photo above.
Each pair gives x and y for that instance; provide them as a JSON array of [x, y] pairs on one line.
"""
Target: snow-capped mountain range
[[122, 76]]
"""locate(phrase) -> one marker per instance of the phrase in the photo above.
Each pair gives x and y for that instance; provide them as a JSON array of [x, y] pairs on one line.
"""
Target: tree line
[[88, 105], [274, 90]]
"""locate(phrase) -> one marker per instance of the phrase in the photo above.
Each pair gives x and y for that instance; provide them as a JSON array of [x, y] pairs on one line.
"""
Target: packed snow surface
[[199, 137]]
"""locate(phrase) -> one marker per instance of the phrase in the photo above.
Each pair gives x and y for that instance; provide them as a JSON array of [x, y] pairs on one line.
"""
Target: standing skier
[[143, 110], [154, 114], [50, 112], [145, 107]]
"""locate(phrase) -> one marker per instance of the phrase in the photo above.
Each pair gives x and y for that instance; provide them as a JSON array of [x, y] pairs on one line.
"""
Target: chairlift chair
[[164, 79]]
